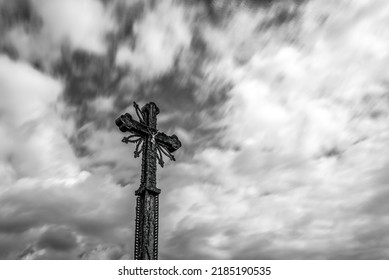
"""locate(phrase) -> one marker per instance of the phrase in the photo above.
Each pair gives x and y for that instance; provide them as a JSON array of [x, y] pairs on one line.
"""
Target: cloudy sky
[[281, 107]]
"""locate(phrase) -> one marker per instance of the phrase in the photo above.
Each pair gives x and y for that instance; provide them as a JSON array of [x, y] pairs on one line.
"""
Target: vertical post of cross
[[146, 239]]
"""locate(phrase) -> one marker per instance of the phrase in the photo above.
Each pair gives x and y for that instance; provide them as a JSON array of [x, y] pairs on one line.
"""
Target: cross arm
[[171, 143], [166, 145], [127, 124]]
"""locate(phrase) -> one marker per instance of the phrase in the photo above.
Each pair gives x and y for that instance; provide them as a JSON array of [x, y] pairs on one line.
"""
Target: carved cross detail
[[153, 145]]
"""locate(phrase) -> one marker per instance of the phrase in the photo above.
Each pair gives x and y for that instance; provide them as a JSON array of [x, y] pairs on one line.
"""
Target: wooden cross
[[155, 145]]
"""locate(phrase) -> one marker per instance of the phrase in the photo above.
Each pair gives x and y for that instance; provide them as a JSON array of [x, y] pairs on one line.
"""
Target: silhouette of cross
[[155, 145]]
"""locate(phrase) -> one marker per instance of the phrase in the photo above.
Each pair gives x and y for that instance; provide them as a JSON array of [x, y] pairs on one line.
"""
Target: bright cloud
[[79, 24], [159, 37], [35, 145], [298, 114], [84, 23]]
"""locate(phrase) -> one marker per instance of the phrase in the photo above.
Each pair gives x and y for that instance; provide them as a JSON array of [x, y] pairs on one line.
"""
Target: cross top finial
[[151, 106]]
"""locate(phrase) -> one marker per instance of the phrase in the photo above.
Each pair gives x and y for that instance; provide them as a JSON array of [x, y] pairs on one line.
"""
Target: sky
[[282, 108]]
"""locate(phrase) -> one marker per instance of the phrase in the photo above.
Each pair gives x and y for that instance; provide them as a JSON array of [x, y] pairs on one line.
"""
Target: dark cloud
[[107, 252], [11, 244], [18, 223], [95, 226], [378, 205], [218, 11], [188, 244], [67, 213], [88, 76], [57, 238], [126, 16], [32, 252], [18, 12]]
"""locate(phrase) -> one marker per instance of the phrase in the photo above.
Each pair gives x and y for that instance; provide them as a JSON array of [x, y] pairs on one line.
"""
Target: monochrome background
[[281, 107]]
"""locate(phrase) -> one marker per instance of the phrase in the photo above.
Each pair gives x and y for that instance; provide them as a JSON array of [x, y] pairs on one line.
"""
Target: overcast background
[[281, 107]]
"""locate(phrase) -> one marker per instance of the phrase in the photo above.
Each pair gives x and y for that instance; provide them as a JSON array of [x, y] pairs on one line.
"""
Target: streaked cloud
[[160, 36], [34, 145], [51, 25]]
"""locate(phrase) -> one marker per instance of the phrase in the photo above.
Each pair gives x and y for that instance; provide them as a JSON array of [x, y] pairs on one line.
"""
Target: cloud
[[64, 222], [60, 239], [291, 90], [88, 25], [76, 24], [300, 140], [103, 104], [42, 89], [33, 145], [107, 252], [160, 36]]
